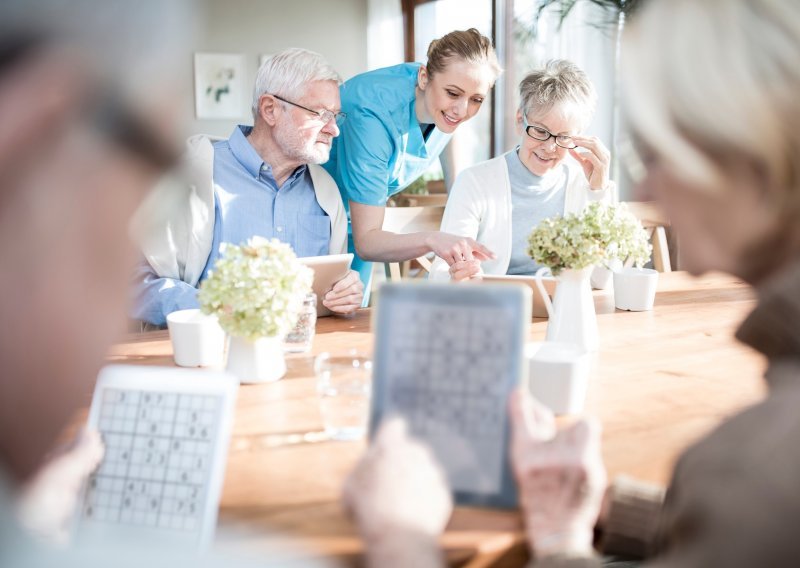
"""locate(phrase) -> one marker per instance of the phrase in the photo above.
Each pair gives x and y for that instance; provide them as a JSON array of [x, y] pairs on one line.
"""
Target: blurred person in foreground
[[264, 180], [715, 115], [85, 131], [80, 144]]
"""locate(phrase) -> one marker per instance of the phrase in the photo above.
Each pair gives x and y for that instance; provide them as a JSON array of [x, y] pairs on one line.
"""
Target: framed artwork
[[219, 85]]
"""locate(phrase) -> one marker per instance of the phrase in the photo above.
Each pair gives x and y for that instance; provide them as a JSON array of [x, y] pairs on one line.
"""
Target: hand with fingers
[[452, 248], [346, 295], [399, 498], [465, 270], [47, 503], [560, 476], [595, 160]]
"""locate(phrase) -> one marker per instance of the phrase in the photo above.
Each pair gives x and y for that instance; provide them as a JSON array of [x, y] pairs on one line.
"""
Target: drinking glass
[[300, 338], [344, 385]]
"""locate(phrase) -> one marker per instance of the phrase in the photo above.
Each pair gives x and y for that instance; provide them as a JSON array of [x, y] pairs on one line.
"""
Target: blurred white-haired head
[[723, 89]]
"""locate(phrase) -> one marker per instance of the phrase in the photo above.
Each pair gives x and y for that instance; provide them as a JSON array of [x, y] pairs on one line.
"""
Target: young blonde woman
[[554, 170], [399, 120]]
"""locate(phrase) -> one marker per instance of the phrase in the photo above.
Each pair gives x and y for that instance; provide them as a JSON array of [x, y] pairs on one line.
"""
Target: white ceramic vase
[[572, 316], [259, 361]]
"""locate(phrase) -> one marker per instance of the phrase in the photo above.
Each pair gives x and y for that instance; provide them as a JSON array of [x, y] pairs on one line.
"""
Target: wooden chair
[[655, 223], [411, 220], [431, 200]]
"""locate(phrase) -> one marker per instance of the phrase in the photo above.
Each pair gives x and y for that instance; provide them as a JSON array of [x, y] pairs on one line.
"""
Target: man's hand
[[397, 487], [346, 295], [47, 503], [560, 475]]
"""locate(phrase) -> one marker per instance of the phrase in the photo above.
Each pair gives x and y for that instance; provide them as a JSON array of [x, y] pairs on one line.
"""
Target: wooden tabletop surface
[[661, 380]]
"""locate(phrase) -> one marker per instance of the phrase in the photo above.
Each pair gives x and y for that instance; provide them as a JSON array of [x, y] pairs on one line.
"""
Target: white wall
[[336, 29]]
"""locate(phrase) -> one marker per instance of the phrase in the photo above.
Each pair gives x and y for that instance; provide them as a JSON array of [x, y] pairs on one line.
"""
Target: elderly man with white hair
[[262, 181]]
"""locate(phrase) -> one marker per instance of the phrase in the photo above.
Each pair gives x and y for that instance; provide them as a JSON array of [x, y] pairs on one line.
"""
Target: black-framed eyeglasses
[[324, 115], [542, 134]]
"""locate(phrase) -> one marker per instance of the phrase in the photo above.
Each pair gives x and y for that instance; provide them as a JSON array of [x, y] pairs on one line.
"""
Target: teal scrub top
[[381, 149]]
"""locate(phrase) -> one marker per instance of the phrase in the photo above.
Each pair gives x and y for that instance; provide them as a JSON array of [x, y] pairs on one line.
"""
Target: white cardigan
[[479, 206], [175, 225]]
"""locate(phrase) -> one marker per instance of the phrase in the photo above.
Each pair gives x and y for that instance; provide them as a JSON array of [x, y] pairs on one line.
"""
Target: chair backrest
[[404, 220], [655, 223]]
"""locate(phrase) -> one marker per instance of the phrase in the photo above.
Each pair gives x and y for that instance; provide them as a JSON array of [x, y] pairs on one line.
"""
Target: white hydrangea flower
[[256, 289], [596, 235]]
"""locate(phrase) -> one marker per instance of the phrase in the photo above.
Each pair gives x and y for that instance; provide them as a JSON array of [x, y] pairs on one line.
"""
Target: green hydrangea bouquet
[[598, 234], [256, 289]]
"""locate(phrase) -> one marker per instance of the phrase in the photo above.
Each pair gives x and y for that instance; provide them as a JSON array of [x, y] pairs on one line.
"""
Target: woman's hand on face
[[453, 249], [465, 269], [560, 476], [595, 161]]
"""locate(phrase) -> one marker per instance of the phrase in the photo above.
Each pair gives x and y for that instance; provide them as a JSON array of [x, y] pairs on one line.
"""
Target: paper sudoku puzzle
[[159, 471]]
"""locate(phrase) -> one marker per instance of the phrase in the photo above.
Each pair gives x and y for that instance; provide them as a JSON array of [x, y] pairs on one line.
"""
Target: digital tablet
[[328, 270], [549, 282], [166, 433], [446, 359]]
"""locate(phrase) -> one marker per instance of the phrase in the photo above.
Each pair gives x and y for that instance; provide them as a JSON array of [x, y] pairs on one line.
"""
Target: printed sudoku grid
[[448, 366], [448, 369], [157, 462]]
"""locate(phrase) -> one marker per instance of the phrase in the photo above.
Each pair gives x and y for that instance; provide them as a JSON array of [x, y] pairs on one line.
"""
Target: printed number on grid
[[158, 450], [447, 363]]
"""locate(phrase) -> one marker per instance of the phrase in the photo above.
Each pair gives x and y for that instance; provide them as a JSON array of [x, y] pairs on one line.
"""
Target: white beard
[[295, 147]]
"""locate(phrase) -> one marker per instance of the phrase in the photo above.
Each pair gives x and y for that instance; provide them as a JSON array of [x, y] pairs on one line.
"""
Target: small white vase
[[572, 316], [259, 361]]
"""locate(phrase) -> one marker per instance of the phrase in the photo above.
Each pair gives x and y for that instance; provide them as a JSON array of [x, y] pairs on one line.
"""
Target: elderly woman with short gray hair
[[499, 202]]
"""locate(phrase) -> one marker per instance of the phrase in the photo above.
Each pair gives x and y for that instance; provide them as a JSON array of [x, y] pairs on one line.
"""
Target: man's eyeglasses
[[324, 115], [542, 134]]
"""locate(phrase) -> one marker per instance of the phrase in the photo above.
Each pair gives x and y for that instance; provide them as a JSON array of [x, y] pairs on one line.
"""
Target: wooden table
[[661, 380]]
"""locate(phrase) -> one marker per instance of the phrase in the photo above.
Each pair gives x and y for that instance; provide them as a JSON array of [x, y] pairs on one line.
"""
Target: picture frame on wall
[[219, 85]]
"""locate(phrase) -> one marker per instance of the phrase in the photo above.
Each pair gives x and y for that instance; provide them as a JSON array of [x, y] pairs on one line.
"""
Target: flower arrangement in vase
[[256, 290], [571, 246]]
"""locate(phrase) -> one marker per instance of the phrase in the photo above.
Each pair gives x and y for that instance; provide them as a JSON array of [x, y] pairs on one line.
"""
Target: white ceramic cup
[[558, 375], [635, 289], [197, 339]]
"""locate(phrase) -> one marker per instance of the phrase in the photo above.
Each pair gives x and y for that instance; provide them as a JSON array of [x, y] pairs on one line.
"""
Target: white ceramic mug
[[558, 375], [635, 289], [197, 339]]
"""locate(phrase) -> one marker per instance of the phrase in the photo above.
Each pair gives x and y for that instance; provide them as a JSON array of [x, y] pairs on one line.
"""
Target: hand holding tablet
[[328, 271], [446, 359]]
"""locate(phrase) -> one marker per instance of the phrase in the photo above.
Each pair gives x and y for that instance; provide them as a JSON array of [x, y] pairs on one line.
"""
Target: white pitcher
[[572, 316]]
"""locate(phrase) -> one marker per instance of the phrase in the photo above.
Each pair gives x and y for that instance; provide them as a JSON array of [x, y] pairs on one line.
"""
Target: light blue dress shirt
[[247, 203], [533, 199]]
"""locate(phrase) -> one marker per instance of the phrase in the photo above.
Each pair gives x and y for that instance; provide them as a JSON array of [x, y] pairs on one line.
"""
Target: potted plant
[[256, 290], [571, 246]]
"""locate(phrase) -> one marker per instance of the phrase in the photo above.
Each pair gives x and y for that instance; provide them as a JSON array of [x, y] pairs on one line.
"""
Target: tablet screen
[[446, 358]]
